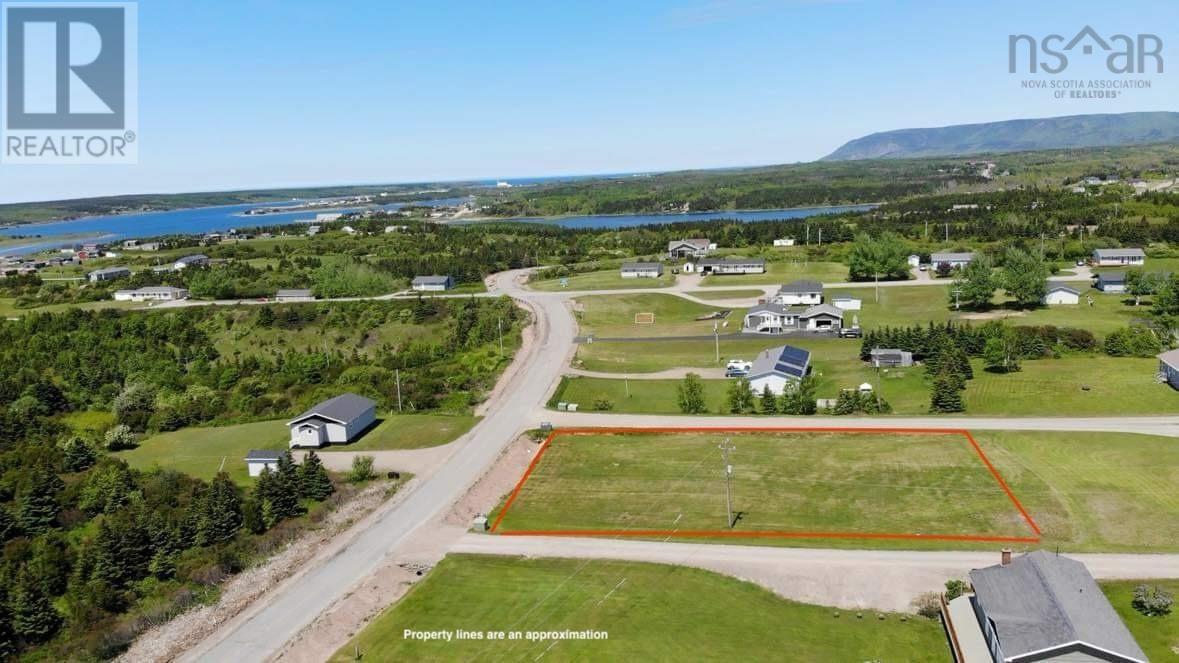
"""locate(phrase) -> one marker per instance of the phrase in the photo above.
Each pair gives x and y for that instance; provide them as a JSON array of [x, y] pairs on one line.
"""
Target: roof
[[343, 409], [951, 257], [783, 360], [263, 455], [1111, 277], [1170, 358], [770, 307], [1119, 253], [733, 261], [1042, 601], [431, 280], [641, 266], [878, 352], [294, 292], [823, 309], [110, 270], [159, 288], [1063, 288], [803, 286], [199, 257], [698, 243]]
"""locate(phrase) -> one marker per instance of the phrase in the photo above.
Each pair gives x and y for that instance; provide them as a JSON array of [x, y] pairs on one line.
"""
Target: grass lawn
[[8, 307], [247, 338], [866, 483], [783, 272], [613, 316], [200, 451], [606, 279], [1158, 636], [726, 294], [652, 612]]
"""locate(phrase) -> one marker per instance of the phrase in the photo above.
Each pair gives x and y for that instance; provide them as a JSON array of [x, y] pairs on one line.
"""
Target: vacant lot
[[613, 316], [606, 279], [726, 294], [1158, 636], [652, 613], [201, 452], [800, 483]]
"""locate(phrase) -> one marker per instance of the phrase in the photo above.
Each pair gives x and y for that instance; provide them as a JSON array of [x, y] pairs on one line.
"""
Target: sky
[[262, 93]]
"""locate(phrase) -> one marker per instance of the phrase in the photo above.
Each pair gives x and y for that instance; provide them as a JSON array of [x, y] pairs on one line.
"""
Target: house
[[1169, 367], [294, 295], [732, 266], [799, 292], [198, 260], [258, 460], [337, 420], [313, 230], [328, 217], [396, 229], [641, 270], [890, 358], [788, 241], [163, 293], [847, 303], [955, 260], [914, 260], [349, 230], [1118, 257], [1037, 607], [689, 248], [1062, 294], [432, 283], [108, 274], [771, 318], [779, 368], [1113, 282]]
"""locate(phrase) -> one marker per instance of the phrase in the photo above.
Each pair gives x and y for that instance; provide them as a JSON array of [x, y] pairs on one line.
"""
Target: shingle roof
[[431, 280], [1170, 358], [770, 307], [1112, 277], [1041, 601], [1063, 288], [296, 292], [950, 257], [802, 286], [1119, 253], [698, 243], [733, 261], [343, 408], [641, 266], [821, 309], [199, 257], [110, 270], [784, 360], [263, 455]]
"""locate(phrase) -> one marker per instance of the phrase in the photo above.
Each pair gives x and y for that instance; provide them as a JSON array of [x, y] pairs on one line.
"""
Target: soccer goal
[[644, 318]]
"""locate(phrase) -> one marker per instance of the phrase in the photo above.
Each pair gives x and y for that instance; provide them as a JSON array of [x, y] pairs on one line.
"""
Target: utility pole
[[808, 234], [500, 328], [626, 383], [947, 231], [927, 229], [820, 237], [398, 374], [716, 336], [957, 298], [725, 448]]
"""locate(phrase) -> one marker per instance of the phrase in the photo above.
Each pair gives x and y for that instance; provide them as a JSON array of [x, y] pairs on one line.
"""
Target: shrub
[[362, 469], [928, 605], [1152, 601], [955, 588], [602, 403]]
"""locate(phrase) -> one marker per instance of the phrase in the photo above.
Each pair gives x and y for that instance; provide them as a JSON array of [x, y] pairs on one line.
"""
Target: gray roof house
[[1044, 607], [890, 358], [732, 265], [631, 270], [1111, 282], [434, 282], [951, 259], [689, 248], [337, 420], [108, 274], [800, 292], [772, 318], [1119, 256], [190, 261], [294, 295], [779, 367]]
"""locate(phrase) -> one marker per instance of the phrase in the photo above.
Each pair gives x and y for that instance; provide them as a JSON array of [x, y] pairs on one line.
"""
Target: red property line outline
[[775, 534]]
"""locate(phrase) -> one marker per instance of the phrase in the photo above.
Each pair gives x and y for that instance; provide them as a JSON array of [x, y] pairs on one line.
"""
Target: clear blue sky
[[253, 93]]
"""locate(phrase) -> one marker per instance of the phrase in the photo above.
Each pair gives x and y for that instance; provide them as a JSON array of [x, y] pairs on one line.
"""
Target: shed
[[260, 459], [338, 420]]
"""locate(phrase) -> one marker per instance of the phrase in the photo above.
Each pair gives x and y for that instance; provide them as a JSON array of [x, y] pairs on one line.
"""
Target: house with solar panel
[[779, 369], [338, 420]]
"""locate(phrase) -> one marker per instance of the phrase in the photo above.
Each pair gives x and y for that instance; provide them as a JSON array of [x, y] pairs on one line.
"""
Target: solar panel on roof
[[789, 369], [794, 355]]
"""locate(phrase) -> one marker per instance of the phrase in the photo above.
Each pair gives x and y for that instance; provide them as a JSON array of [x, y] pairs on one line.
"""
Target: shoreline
[[562, 217]]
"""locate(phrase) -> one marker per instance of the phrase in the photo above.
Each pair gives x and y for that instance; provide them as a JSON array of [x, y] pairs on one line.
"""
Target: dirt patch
[[993, 315], [168, 641], [527, 338], [482, 497]]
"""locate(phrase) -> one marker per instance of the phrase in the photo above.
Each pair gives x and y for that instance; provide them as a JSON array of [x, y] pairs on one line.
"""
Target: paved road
[[868, 579], [263, 629]]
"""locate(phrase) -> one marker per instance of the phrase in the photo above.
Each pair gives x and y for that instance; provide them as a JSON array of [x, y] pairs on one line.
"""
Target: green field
[[1158, 636], [606, 279], [782, 272], [1088, 492], [8, 308], [798, 482], [726, 294], [613, 316], [200, 451], [652, 613]]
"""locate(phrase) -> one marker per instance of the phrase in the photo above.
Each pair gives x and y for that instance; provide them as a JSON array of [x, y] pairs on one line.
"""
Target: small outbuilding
[[1111, 282], [641, 270], [294, 295], [435, 283], [848, 303], [890, 358], [338, 420], [259, 459], [1062, 294]]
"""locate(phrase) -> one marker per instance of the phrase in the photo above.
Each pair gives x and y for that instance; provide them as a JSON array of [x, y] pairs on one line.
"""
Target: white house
[[914, 260], [847, 303], [641, 270], [779, 369], [294, 295], [958, 260], [198, 260], [689, 248], [328, 217], [800, 292], [1119, 257], [731, 266], [788, 241], [258, 460], [1169, 367], [1111, 282], [1062, 294], [432, 283], [774, 318], [108, 274], [165, 293], [337, 420]]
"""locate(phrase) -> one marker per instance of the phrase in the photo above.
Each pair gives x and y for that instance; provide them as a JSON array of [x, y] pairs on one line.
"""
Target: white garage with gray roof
[[338, 420]]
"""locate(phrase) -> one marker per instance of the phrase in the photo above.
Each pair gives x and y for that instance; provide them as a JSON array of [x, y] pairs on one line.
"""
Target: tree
[[945, 396], [975, 286], [37, 506], [314, 482], [691, 395], [740, 396], [1001, 353], [801, 399], [362, 469], [119, 437], [1152, 600], [77, 455], [284, 497], [1024, 277], [873, 258], [222, 516], [956, 588], [769, 400], [34, 619], [1140, 284]]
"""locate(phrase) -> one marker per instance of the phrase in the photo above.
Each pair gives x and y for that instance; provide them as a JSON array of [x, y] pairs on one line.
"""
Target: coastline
[[562, 217]]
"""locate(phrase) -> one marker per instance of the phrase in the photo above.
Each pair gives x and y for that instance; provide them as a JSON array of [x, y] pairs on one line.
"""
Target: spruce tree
[[38, 507], [7, 526], [77, 455], [769, 402], [222, 512], [285, 495], [314, 482], [946, 396], [34, 619]]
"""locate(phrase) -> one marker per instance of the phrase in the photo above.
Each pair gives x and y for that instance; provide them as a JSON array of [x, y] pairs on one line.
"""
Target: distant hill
[[1015, 136]]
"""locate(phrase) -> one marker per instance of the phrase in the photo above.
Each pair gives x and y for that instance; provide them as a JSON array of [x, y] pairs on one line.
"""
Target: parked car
[[739, 365], [736, 373], [851, 332]]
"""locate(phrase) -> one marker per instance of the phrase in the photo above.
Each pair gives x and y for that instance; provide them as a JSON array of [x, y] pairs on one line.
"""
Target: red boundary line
[[775, 534]]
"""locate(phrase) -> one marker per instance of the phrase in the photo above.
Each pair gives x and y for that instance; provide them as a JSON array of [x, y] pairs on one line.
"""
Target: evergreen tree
[[7, 526], [77, 455], [691, 395], [945, 395], [314, 482], [222, 512], [34, 619], [8, 644], [285, 497], [769, 402], [37, 506]]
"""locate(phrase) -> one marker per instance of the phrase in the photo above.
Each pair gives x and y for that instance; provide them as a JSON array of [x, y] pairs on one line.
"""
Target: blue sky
[[254, 93]]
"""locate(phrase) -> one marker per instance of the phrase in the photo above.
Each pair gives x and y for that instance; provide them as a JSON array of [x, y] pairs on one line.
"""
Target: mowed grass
[[652, 612], [1158, 636], [797, 482], [726, 294], [200, 451], [783, 272], [613, 316], [606, 279]]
